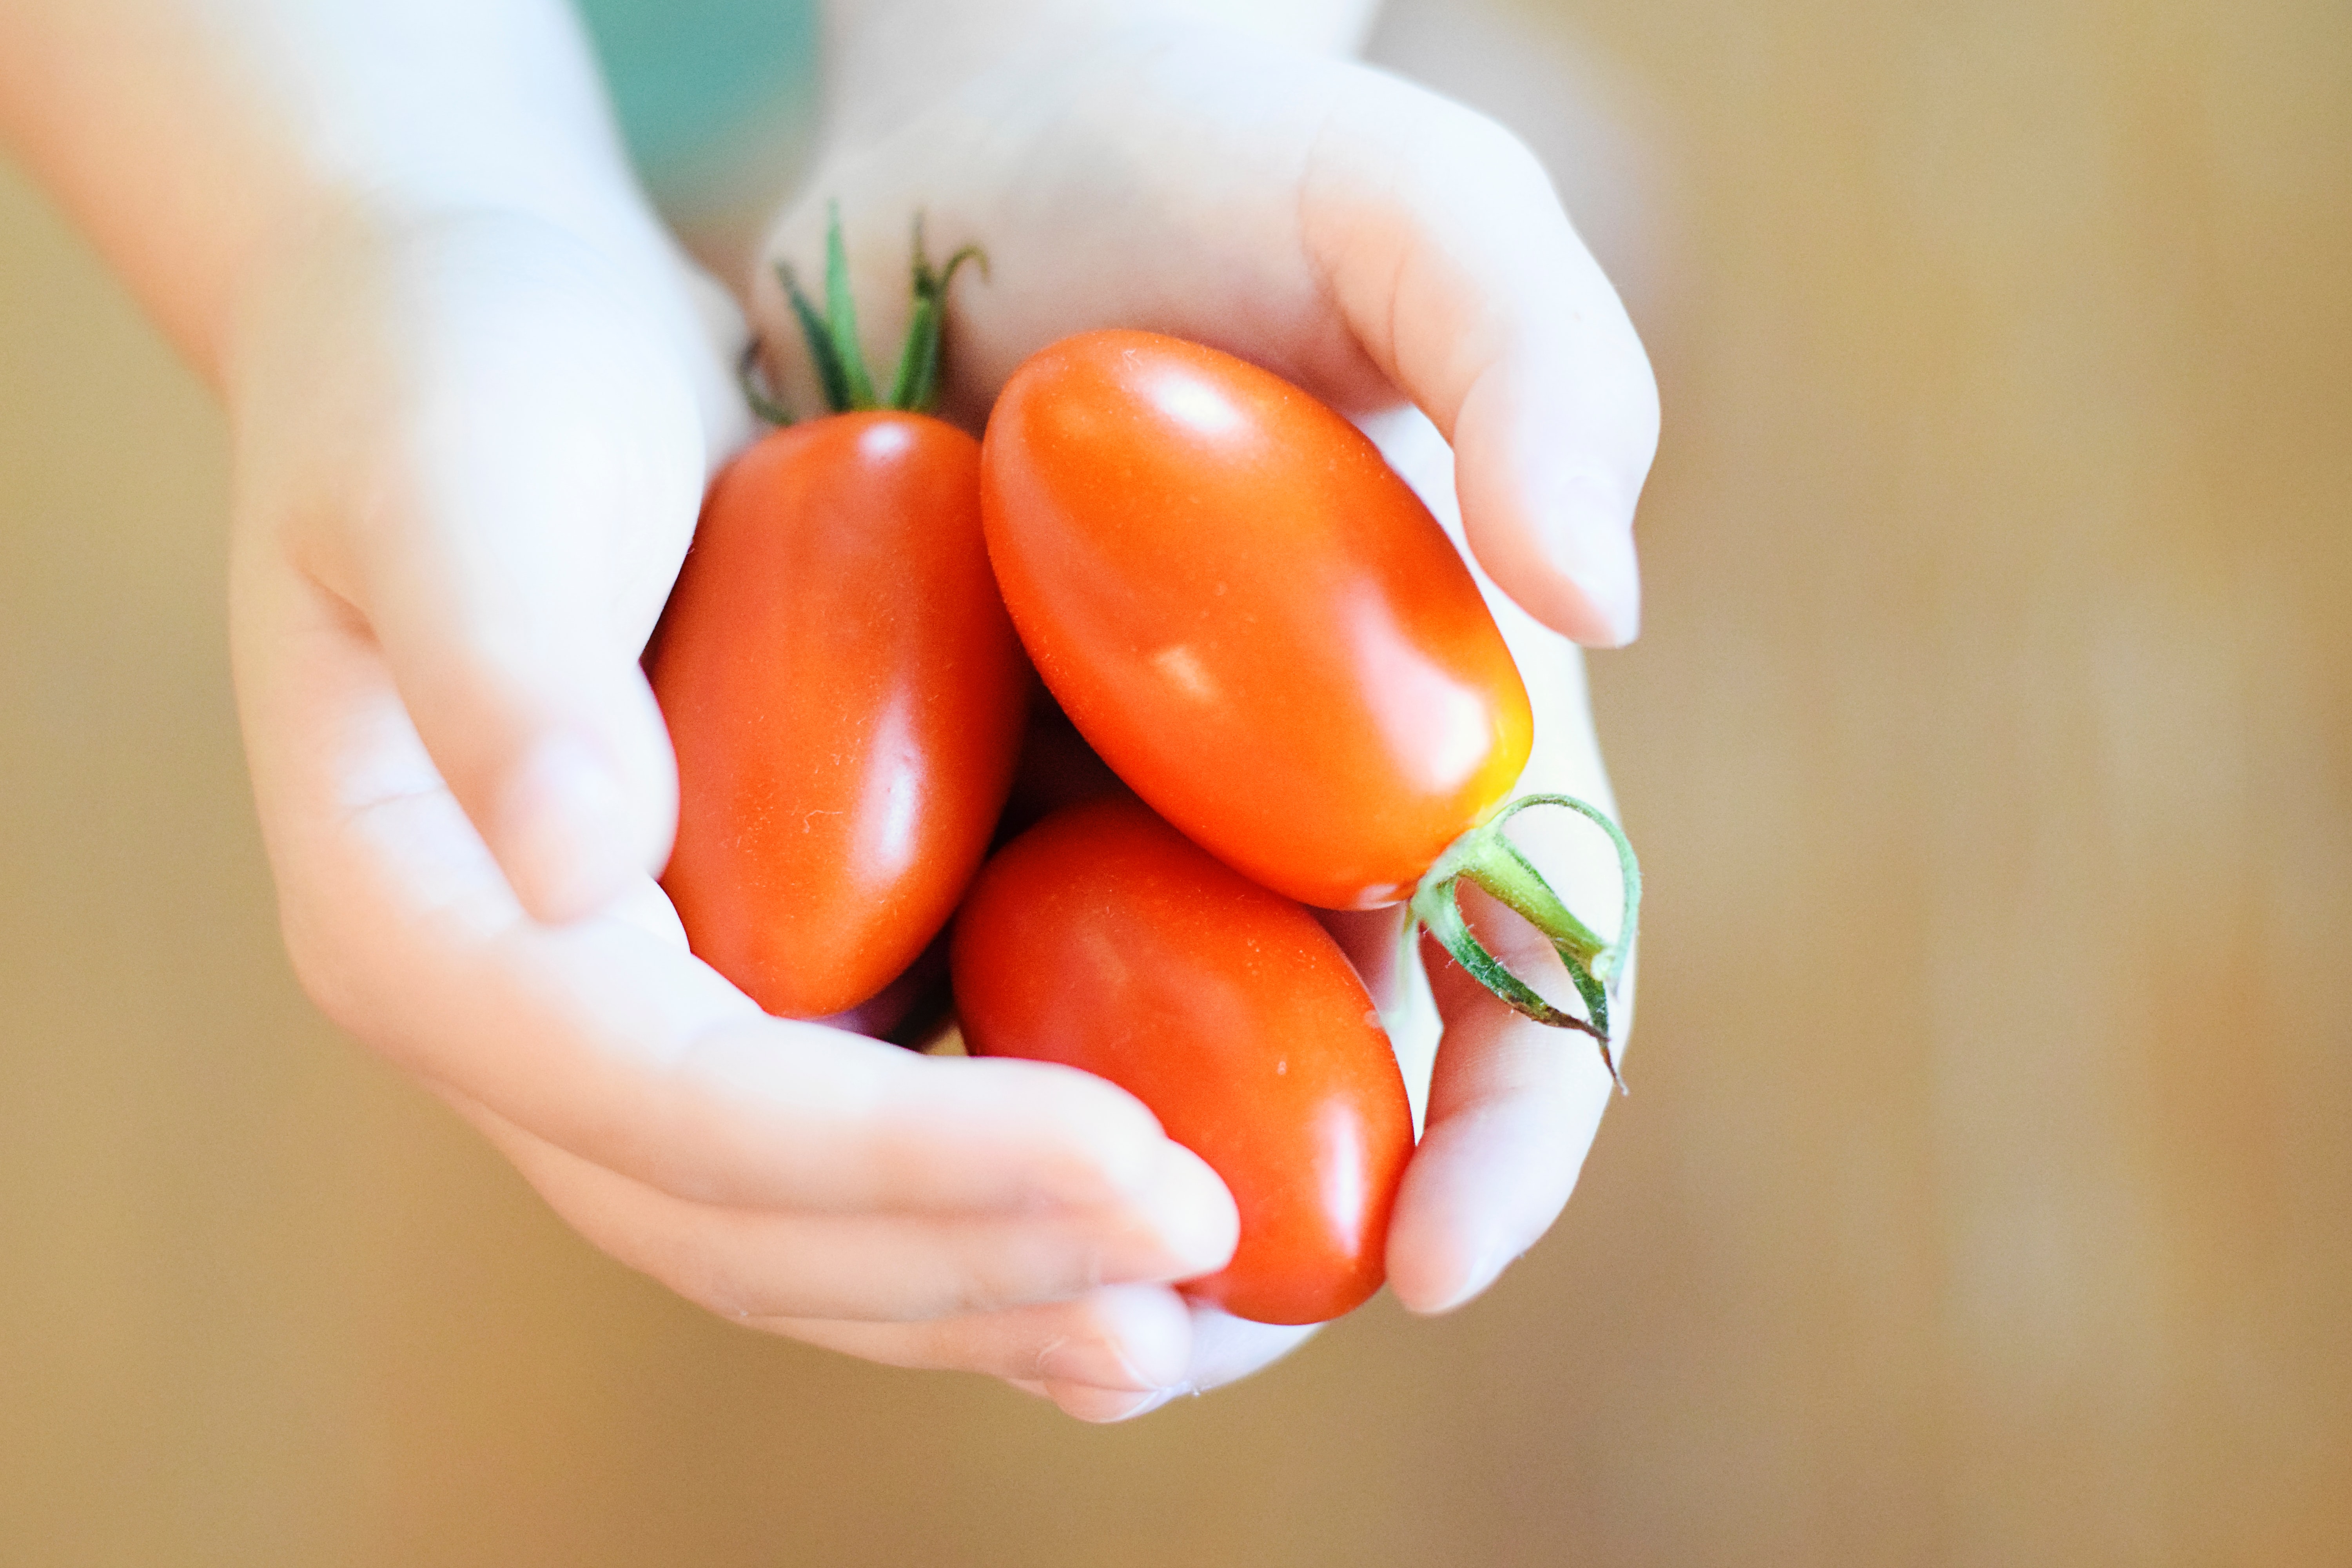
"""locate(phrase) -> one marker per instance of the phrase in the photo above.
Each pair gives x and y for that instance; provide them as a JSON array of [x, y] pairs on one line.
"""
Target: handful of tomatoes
[[1247, 615]]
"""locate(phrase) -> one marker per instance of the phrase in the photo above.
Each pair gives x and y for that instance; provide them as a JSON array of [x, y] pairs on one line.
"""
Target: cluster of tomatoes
[[1300, 696]]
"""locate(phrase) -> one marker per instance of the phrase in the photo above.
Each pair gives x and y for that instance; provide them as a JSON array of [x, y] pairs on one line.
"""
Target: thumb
[[525, 492]]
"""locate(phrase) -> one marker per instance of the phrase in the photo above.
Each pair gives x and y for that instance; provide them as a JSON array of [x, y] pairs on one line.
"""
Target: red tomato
[[1104, 940], [1248, 614], [846, 699]]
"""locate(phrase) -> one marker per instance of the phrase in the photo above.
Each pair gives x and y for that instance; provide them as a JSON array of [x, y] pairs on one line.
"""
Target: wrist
[[191, 138]]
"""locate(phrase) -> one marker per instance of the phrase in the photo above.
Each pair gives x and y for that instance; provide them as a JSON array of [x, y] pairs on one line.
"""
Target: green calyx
[[1489, 860], [832, 333]]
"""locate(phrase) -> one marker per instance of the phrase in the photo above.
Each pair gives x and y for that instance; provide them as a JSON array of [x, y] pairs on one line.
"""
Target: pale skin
[[476, 390]]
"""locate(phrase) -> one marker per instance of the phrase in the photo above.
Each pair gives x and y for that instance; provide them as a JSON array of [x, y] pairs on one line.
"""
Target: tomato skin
[[845, 697], [1248, 614], [1104, 940]]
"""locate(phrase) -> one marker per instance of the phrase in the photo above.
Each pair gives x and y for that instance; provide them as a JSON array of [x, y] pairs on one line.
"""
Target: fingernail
[[1103, 1406], [563, 846], [1483, 1274], [1589, 535], [1192, 1212], [1095, 1362], [1486, 1265]]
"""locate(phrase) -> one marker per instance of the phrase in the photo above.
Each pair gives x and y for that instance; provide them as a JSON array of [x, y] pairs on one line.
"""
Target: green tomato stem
[[916, 384], [1489, 860], [831, 331], [841, 314]]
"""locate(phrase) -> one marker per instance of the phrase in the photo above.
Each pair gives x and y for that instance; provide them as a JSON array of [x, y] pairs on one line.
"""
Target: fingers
[[603, 1036], [1022, 1298], [503, 598], [873, 1267], [1129, 1338], [1109, 1355], [503, 493], [1353, 232], [1513, 1104], [1513, 1107], [1447, 252]]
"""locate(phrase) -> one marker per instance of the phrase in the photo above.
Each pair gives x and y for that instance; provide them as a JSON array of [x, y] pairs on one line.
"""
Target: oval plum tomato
[[845, 697], [1249, 614], [1104, 940]]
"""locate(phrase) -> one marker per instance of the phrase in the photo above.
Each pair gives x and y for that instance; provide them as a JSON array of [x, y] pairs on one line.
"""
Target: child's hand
[[471, 454], [1366, 239], [476, 398], [1375, 244]]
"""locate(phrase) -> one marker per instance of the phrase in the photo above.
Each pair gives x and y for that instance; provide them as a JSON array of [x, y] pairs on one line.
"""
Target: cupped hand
[[470, 448], [1384, 249]]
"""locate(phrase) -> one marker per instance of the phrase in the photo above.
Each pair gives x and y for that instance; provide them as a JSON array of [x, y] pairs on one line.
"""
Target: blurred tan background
[[1986, 1192]]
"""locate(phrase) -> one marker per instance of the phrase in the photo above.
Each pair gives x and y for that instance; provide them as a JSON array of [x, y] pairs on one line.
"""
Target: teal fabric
[[689, 77]]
